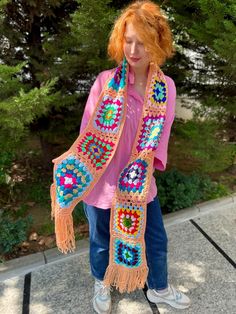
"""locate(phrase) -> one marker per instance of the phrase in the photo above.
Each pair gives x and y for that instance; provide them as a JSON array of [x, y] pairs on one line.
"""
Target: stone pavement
[[202, 255]]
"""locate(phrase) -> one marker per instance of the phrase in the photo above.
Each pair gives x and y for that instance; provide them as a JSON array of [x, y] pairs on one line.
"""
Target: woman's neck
[[140, 80], [140, 73]]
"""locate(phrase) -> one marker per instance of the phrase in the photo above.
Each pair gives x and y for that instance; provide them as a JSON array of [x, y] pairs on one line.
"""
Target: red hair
[[152, 28]]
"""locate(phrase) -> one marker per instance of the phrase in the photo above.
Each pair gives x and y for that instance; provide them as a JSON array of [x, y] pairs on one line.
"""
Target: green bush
[[202, 142], [177, 190], [47, 228], [13, 232], [6, 159], [78, 214], [38, 192]]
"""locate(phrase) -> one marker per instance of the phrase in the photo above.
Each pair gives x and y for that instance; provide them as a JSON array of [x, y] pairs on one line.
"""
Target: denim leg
[[156, 247], [99, 235]]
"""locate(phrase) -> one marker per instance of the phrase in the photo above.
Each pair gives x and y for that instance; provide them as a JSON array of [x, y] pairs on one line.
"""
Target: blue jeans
[[155, 239]]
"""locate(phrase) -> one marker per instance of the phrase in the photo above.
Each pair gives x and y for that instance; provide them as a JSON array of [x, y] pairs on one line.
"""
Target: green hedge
[[13, 232], [177, 190]]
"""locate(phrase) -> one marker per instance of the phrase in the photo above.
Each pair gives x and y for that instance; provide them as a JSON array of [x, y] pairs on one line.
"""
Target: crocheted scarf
[[78, 169]]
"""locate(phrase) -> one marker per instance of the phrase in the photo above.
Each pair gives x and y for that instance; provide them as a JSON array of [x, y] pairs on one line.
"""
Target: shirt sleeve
[[160, 158], [94, 94]]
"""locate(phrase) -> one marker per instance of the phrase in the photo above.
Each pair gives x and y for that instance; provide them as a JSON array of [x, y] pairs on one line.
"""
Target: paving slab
[[21, 265], [63, 284], [199, 270], [11, 295], [130, 303], [62, 287], [67, 287], [53, 255], [221, 227], [202, 209]]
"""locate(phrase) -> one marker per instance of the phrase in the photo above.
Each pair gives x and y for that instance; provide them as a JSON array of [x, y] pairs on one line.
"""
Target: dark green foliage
[[206, 60], [5, 163], [36, 189], [38, 192], [177, 190], [13, 232], [22, 211], [61, 46], [20, 105], [47, 228], [78, 214], [203, 141]]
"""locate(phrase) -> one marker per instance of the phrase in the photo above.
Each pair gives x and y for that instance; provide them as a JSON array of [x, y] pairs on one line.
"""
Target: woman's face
[[134, 50]]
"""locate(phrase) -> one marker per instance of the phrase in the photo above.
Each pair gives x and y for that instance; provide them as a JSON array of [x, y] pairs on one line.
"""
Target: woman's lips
[[134, 59]]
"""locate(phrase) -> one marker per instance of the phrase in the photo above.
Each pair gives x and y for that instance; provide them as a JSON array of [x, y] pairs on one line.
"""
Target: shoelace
[[176, 293], [103, 290]]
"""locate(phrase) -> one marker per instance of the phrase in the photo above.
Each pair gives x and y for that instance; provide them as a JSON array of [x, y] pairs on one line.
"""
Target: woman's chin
[[135, 64]]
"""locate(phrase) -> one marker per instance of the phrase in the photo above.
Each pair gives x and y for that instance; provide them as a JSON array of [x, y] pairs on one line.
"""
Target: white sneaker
[[172, 297], [102, 298]]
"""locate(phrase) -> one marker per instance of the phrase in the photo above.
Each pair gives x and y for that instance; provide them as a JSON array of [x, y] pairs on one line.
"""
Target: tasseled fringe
[[52, 194], [125, 279], [64, 230]]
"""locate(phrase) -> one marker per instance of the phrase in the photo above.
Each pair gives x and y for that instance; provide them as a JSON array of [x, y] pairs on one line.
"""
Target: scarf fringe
[[125, 279], [64, 230], [52, 194]]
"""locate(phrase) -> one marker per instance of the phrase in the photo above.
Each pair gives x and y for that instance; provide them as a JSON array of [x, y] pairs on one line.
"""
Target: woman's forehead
[[131, 31]]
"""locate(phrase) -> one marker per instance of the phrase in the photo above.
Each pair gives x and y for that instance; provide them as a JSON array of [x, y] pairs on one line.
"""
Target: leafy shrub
[[78, 214], [202, 141], [6, 159], [214, 190], [13, 232], [38, 192], [47, 228], [22, 211], [177, 190]]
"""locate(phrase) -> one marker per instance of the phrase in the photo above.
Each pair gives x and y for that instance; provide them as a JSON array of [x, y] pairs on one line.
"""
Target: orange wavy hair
[[152, 28]]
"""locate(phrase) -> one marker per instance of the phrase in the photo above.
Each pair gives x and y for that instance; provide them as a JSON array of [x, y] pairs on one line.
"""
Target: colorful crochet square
[[128, 220], [72, 178], [96, 149], [158, 93], [132, 178], [126, 254], [119, 79], [109, 114], [150, 134]]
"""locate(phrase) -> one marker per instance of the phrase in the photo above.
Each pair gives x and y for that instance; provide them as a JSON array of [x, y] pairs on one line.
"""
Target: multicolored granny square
[[150, 134], [72, 178], [96, 149], [132, 178], [119, 79], [158, 92], [126, 254], [128, 220], [109, 114]]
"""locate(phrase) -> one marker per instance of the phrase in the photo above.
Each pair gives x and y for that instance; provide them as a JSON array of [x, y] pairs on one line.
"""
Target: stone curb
[[23, 265], [200, 210]]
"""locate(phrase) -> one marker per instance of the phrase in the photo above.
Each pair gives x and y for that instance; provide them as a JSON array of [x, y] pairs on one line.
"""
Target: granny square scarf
[[77, 171]]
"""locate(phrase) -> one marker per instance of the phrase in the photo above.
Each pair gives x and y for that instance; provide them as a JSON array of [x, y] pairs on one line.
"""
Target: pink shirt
[[102, 193]]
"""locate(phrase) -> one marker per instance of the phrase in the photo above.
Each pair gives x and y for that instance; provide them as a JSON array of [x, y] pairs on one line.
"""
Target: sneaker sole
[[98, 311], [153, 299]]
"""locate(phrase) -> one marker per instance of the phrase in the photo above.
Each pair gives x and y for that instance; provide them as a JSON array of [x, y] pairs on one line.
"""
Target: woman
[[123, 138]]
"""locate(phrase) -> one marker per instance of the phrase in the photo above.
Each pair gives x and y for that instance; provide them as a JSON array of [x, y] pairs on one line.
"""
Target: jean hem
[[152, 287]]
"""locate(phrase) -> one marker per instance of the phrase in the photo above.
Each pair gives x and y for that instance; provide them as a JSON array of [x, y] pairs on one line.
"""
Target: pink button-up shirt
[[102, 193]]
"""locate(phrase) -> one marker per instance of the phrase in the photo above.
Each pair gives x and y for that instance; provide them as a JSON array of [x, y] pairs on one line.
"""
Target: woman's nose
[[133, 48]]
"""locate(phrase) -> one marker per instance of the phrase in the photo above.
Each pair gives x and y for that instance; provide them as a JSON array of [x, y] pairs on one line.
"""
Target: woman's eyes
[[130, 42]]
